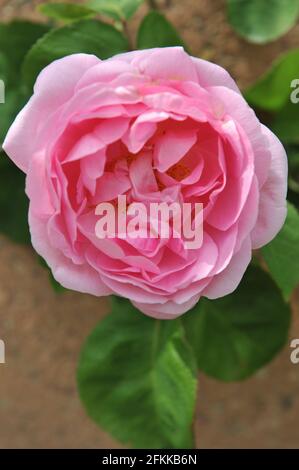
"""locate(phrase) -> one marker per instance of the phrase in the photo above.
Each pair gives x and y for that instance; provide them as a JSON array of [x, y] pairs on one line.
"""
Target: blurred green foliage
[[261, 21]]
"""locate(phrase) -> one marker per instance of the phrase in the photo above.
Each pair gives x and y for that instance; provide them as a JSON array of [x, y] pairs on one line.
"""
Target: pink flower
[[155, 125]]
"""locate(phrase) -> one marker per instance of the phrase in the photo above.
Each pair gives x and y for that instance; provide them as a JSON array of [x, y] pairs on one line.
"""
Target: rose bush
[[156, 125]]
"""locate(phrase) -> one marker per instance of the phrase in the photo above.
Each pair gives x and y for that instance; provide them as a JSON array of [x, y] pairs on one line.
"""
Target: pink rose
[[155, 125]]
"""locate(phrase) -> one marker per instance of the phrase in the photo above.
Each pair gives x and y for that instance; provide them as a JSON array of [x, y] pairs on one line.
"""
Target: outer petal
[[236, 107], [54, 86], [273, 206], [81, 278], [167, 311], [228, 280], [167, 63], [162, 63], [205, 73], [210, 74]]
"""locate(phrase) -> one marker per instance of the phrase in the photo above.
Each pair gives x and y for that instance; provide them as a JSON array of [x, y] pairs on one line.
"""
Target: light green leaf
[[261, 21], [236, 335], [13, 202], [86, 36], [137, 379], [65, 11], [282, 254], [116, 9], [274, 89], [156, 31]]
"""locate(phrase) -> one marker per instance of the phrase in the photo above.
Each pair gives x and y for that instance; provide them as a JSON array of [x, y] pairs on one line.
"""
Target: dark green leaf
[[15, 40], [286, 123], [65, 11], [13, 202], [87, 36], [156, 31], [293, 157], [116, 9], [293, 176], [282, 254], [137, 379], [236, 335], [15, 99], [261, 21], [273, 90]]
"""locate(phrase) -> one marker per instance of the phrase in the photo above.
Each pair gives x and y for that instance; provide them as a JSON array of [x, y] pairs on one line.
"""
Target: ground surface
[[43, 332]]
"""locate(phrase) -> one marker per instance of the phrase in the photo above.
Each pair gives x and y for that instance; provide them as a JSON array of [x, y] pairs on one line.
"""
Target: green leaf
[[273, 90], [87, 36], [286, 123], [293, 175], [137, 379], [156, 31], [261, 21], [13, 202], [282, 254], [15, 40], [65, 11], [15, 99], [116, 9], [234, 336], [293, 157]]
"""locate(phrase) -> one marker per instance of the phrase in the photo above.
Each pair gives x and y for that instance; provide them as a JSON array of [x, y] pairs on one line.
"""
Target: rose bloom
[[157, 126]]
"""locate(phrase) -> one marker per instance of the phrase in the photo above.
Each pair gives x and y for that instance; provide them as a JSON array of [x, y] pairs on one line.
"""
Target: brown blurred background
[[43, 331]]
